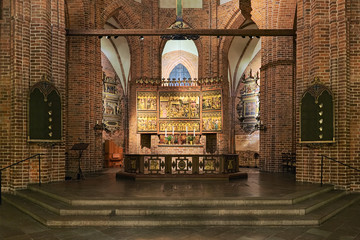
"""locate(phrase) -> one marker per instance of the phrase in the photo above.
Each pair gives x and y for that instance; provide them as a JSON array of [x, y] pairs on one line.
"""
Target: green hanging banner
[[44, 113], [317, 115]]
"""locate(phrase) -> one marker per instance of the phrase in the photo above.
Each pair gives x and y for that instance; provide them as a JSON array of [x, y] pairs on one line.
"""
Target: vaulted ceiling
[[118, 52], [241, 52]]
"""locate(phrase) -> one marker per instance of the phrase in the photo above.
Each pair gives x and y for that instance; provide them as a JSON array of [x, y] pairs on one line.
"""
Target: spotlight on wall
[[116, 37], [260, 126], [141, 38], [250, 37], [243, 36], [218, 37], [257, 36], [108, 37], [100, 37]]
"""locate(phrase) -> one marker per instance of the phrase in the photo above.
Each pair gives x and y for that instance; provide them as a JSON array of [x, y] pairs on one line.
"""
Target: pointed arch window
[[179, 72]]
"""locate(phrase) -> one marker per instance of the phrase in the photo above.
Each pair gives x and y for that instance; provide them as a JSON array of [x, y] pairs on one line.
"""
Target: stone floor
[[15, 225], [105, 186]]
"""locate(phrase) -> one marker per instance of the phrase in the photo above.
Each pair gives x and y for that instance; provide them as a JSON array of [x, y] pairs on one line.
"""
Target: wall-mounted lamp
[[98, 126], [260, 126], [141, 38]]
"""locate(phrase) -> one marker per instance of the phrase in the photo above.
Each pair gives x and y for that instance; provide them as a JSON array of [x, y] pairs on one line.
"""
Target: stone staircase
[[311, 207]]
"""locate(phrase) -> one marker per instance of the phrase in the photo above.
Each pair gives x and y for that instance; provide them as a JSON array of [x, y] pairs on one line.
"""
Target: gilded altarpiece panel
[[179, 105], [146, 111], [146, 101], [212, 121], [179, 126], [179, 111], [211, 100], [147, 122], [212, 114]]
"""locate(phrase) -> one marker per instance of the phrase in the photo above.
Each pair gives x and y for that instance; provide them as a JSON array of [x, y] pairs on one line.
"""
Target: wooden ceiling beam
[[200, 32]]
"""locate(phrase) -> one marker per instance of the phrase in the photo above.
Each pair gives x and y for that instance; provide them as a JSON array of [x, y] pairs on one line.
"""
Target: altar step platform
[[310, 206]]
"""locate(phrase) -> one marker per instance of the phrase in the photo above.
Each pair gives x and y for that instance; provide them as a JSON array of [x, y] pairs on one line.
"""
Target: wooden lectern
[[80, 147]]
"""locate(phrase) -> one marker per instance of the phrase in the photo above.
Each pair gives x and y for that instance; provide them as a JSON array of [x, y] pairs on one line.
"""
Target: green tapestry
[[44, 113], [317, 115]]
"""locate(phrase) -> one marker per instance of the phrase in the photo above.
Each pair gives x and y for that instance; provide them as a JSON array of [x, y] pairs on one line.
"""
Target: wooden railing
[[181, 164]]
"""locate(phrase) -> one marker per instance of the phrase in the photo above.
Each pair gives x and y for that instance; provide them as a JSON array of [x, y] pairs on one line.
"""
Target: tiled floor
[[16, 225]]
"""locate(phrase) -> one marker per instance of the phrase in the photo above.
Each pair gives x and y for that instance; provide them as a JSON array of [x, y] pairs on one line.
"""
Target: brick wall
[[328, 48], [354, 74], [277, 81], [84, 87], [32, 45]]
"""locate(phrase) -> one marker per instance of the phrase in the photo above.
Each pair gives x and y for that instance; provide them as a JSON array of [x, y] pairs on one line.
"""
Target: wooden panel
[[201, 32]]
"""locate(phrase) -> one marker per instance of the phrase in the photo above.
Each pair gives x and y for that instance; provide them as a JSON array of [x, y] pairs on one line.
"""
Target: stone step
[[51, 219], [223, 208], [173, 202]]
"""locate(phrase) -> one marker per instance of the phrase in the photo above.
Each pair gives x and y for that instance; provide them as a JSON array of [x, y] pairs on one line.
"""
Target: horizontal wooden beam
[[200, 32]]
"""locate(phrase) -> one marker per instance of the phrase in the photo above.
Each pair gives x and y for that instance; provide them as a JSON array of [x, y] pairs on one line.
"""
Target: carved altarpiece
[[165, 110], [248, 107], [112, 103]]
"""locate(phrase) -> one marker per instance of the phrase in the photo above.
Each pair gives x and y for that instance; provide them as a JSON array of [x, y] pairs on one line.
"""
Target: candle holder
[[190, 139]]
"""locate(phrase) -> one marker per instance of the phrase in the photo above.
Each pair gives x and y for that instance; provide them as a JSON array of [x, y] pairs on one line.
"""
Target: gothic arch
[[75, 14], [128, 18]]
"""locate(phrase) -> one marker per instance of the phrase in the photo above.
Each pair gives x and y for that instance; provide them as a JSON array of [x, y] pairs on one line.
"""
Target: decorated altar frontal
[[190, 166]]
